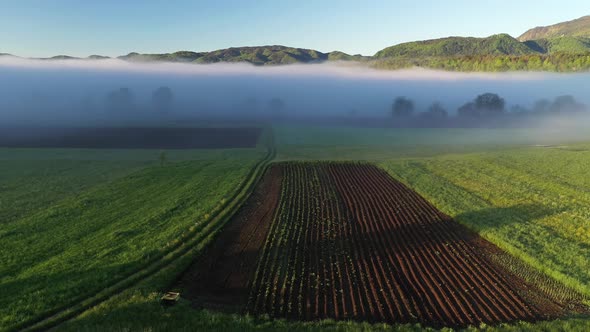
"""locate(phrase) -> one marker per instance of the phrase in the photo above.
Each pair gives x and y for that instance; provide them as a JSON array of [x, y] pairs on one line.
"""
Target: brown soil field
[[130, 138], [351, 243], [220, 277], [348, 242]]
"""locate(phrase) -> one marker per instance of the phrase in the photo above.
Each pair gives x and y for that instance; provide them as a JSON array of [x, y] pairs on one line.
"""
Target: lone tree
[[490, 104], [487, 104], [402, 107], [120, 100], [162, 99]]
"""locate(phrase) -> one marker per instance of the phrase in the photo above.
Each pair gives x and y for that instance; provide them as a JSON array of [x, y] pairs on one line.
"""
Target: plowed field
[[350, 242]]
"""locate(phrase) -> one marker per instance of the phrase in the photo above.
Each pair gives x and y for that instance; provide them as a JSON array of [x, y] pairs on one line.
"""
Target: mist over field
[[95, 92], [301, 166]]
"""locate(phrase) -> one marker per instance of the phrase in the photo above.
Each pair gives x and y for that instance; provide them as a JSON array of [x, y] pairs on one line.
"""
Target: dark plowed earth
[[220, 277], [350, 242], [130, 138]]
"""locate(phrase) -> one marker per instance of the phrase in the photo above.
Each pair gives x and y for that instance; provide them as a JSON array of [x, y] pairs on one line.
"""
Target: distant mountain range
[[261, 55], [560, 47], [257, 55]]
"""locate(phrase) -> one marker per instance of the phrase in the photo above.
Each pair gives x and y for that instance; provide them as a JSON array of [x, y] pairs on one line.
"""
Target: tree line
[[123, 99], [487, 109], [556, 62], [162, 100]]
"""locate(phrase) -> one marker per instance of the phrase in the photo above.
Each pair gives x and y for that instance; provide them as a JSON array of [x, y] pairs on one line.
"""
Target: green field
[[340, 143], [532, 202], [75, 221]]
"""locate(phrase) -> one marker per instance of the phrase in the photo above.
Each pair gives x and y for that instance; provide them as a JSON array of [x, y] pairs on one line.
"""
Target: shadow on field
[[503, 216]]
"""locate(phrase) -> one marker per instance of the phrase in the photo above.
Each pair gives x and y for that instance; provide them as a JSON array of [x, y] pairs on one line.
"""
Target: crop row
[[349, 242]]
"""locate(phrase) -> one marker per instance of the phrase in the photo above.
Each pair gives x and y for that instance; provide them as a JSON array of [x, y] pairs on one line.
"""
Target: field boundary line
[[191, 239]]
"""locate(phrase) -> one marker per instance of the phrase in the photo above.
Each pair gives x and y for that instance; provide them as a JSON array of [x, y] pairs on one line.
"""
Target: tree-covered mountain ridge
[[560, 47], [257, 55], [575, 28]]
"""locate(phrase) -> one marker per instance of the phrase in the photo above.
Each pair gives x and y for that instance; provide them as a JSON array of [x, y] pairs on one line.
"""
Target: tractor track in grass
[[219, 277], [192, 239]]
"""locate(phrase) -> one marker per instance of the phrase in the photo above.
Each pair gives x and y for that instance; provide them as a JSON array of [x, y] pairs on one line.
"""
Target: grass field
[[382, 144], [531, 201], [75, 221]]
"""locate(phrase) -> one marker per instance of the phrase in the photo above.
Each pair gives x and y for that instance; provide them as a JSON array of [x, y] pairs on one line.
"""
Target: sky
[[41, 28]]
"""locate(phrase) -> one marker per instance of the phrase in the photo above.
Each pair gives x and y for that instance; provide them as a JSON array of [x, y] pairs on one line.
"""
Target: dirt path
[[220, 277]]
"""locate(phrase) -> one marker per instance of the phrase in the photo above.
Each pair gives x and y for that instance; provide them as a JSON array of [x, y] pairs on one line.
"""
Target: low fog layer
[[100, 92]]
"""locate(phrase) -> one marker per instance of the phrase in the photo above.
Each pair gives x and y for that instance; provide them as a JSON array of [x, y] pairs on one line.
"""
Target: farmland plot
[[350, 242], [66, 236], [219, 277]]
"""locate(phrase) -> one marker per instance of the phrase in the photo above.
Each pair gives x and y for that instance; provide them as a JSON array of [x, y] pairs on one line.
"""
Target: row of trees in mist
[[123, 99], [162, 100], [163, 104], [488, 109], [485, 110]]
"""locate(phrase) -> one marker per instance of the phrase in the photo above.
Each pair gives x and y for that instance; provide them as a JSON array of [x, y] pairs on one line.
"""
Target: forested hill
[[261, 55], [576, 28], [502, 44], [495, 53], [564, 47]]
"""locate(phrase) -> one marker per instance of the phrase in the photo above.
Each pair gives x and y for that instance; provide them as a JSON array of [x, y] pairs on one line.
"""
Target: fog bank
[[87, 92]]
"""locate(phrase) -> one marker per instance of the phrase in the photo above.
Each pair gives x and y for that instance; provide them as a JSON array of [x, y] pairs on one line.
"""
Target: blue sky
[[110, 27]]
